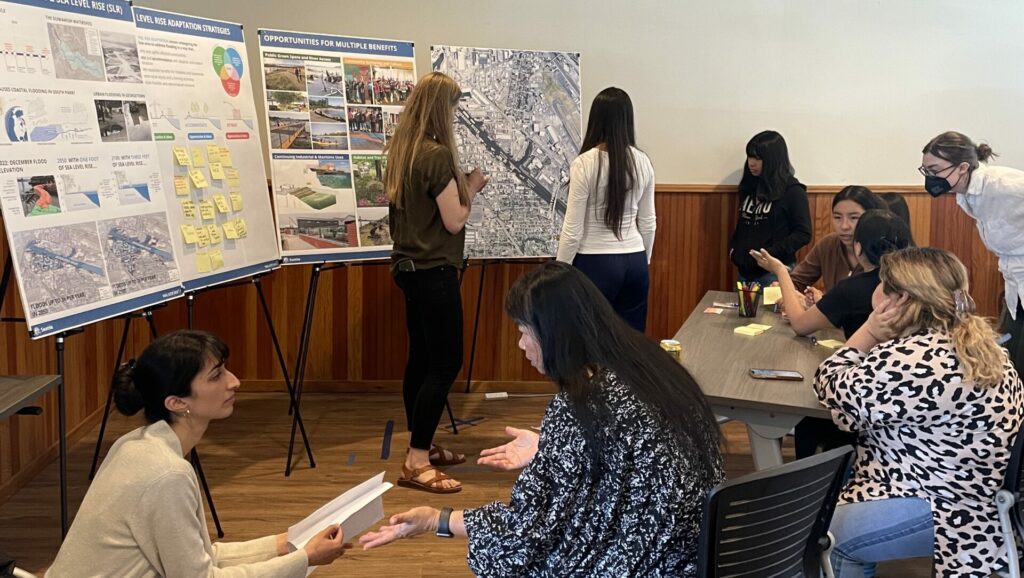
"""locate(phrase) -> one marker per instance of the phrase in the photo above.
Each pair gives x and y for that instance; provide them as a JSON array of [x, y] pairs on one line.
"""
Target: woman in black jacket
[[773, 209]]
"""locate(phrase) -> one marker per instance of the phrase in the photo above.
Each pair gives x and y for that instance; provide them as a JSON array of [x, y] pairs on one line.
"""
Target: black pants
[[1015, 327], [812, 433], [433, 316], [624, 280]]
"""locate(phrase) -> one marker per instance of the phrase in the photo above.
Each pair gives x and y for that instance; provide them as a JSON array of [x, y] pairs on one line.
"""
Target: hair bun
[[127, 398], [984, 152]]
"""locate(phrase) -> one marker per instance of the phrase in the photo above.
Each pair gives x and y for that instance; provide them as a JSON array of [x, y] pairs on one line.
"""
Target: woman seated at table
[[615, 483], [848, 304], [143, 516], [833, 258], [937, 405]]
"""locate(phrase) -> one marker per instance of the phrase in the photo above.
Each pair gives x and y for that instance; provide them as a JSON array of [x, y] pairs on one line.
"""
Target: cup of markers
[[748, 296]]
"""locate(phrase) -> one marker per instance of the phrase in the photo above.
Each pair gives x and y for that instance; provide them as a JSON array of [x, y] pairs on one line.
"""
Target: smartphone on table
[[783, 374]]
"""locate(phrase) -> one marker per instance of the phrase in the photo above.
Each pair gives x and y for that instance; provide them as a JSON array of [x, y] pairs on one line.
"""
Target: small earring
[[188, 413]]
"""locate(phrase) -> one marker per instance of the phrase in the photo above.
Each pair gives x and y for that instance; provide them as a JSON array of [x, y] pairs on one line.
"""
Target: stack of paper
[[356, 510], [772, 295], [752, 329]]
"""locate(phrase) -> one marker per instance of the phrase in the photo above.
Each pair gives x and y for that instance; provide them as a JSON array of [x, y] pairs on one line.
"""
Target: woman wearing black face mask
[[994, 197]]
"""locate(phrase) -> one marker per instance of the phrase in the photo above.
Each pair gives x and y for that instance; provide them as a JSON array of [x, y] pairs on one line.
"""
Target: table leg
[[766, 445]]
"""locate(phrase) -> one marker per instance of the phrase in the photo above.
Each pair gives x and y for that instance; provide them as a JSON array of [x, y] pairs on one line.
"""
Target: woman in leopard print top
[[937, 405]]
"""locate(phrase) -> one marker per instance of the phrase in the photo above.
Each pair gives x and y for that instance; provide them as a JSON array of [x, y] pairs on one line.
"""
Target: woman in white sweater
[[608, 232], [143, 516]]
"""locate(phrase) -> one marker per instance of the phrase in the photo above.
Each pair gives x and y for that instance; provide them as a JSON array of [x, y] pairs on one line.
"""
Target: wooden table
[[18, 392], [720, 360]]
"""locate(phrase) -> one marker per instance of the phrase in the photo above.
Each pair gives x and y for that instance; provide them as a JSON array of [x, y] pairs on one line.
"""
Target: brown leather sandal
[[439, 456], [408, 480]]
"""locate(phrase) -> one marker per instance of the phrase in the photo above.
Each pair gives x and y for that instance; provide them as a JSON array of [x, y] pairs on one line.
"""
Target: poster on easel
[[80, 187], [520, 121], [332, 103], [204, 122]]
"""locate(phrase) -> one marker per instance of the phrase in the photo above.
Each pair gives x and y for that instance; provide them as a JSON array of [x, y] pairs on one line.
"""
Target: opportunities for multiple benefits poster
[[332, 104], [131, 167]]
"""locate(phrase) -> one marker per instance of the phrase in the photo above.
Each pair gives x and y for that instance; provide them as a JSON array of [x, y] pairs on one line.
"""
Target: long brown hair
[[936, 283], [428, 114]]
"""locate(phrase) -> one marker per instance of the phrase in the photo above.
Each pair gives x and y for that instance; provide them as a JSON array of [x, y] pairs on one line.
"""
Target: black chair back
[[773, 522], [1013, 482]]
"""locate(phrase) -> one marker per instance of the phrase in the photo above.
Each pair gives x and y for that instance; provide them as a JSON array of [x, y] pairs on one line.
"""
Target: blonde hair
[[429, 114], [936, 283]]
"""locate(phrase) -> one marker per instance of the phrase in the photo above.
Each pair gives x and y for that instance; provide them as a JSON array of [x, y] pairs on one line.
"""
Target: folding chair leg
[[1004, 503]]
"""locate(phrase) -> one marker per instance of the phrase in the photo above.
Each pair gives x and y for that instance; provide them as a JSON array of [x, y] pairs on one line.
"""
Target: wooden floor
[[244, 459]]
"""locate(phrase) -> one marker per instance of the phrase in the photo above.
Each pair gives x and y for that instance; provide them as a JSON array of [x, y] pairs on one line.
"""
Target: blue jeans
[[623, 279], [880, 530]]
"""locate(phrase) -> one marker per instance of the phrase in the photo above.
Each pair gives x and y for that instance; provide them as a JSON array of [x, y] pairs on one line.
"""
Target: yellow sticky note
[[188, 232], [236, 201], [206, 210], [181, 157], [222, 203], [240, 227], [181, 185], [213, 153], [225, 157], [229, 230], [831, 343], [216, 259], [752, 329], [188, 208], [202, 237], [215, 235], [216, 171], [198, 178], [772, 295], [203, 262], [232, 176], [198, 159]]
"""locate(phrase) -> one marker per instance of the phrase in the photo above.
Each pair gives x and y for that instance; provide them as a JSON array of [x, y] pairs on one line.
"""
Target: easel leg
[[194, 458], [300, 362], [62, 437], [476, 325]]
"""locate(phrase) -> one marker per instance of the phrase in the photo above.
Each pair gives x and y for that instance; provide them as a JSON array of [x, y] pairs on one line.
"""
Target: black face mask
[[936, 186]]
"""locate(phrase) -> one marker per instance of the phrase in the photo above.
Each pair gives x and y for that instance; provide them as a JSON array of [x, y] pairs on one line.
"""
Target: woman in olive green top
[[430, 200]]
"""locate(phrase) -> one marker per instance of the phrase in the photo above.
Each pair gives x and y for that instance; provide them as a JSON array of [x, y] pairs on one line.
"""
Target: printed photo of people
[[39, 195], [366, 127]]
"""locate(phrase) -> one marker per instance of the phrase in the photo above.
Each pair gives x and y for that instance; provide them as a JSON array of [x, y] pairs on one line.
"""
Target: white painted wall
[[856, 87]]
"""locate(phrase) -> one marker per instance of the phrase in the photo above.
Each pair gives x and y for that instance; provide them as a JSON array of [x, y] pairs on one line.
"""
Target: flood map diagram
[[520, 122], [61, 267]]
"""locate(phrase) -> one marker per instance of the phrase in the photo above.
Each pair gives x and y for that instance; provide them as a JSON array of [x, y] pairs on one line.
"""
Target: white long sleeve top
[[584, 231], [143, 517]]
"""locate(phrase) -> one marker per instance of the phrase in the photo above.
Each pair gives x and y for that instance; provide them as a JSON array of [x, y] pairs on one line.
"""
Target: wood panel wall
[[358, 336]]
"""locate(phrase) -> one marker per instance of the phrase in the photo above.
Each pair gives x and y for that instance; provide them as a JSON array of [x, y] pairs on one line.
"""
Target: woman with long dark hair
[[608, 232], [773, 209], [143, 515], [833, 258], [615, 483], [994, 197], [429, 203]]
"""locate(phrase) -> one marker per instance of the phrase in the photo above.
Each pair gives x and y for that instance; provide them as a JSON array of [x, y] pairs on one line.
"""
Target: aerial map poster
[[204, 122], [332, 103], [520, 121], [80, 187]]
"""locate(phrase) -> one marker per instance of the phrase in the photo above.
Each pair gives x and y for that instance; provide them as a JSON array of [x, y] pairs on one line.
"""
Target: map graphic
[[77, 52], [61, 267]]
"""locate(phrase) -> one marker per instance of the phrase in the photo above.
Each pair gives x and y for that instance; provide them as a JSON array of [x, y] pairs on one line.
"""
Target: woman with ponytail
[[994, 197], [143, 516], [936, 405]]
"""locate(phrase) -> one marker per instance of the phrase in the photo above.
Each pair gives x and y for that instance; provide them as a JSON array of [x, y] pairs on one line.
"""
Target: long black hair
[[860, 195], [580, 334], [776, 171], [880, 231], [897, 204], [611, 124], [166, 368]]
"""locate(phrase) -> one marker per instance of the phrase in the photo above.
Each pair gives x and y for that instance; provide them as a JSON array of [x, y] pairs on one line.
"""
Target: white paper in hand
[[356, 510]]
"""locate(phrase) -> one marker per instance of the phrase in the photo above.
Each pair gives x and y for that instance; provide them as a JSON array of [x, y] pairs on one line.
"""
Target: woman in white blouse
[[609, 225], [143, 516], [994, 197], [936, 404]]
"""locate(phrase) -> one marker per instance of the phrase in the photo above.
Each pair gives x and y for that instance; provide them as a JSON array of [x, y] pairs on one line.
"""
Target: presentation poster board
[[521, 124], [80, 186], [332, 102], [204, 122]]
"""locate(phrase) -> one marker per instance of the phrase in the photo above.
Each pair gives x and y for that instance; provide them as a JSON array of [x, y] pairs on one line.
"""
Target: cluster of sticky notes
[[235, 229], [198, 178], [752, 329], [831, 343], [771, 295], [207, 261]]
